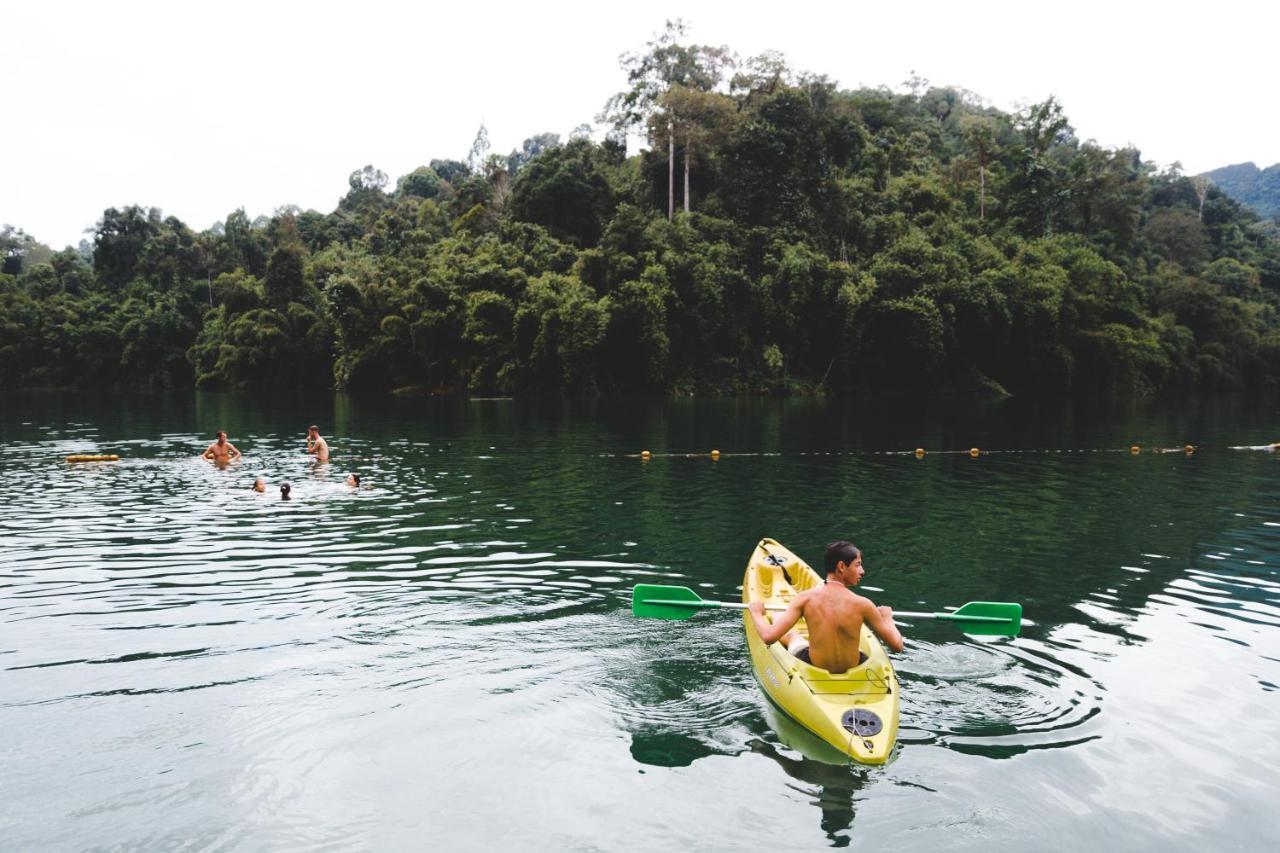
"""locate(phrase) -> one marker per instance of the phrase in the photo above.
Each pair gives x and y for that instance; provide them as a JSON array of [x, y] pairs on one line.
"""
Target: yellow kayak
[[856, 711], [93, 457]]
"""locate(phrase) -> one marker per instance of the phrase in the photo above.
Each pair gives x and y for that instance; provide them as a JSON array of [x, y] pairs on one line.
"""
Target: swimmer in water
[[285, 489], [316, 445], [259, 485], [221, 451], [353, 480]]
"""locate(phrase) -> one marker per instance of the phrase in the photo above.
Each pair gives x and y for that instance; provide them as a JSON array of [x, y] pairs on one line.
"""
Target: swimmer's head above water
[[259, 485], [285, 489], [353, 480]]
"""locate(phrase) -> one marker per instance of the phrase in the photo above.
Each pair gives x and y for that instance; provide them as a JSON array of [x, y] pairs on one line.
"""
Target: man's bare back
[[834, 616]]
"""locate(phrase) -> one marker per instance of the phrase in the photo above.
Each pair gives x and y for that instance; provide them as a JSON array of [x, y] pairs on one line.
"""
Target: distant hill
[[1247, 184]]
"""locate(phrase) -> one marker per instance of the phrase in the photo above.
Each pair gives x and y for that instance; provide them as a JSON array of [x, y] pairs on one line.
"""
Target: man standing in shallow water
[[316, 445], [834, 614], [221, 451]]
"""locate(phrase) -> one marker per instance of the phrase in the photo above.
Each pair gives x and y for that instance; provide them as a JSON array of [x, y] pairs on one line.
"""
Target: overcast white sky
[[200, 108]]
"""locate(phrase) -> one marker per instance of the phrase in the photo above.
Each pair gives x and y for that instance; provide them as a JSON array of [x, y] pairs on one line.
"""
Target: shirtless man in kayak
[[835, 616], [316, 445], [221, 451]]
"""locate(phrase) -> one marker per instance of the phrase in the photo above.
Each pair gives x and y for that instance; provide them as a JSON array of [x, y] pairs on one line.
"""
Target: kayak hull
[[856, 711]]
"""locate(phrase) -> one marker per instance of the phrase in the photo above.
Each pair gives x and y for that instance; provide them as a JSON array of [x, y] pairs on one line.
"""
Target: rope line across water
[[919, 452]]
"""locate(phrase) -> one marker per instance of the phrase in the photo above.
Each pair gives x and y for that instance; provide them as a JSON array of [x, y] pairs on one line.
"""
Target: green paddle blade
[[666, 602], [989, 618]]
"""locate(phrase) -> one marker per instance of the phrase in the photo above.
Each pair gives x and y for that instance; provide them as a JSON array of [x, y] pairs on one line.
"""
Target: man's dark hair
[[219, 432], [839, 552], [313, 428], [285, 488]]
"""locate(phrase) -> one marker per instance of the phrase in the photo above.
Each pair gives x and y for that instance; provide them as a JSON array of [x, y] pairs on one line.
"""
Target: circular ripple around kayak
[[993, 699]]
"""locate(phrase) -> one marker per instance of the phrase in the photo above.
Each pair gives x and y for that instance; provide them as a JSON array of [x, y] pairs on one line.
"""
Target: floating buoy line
[[713, 455], [920, 452]]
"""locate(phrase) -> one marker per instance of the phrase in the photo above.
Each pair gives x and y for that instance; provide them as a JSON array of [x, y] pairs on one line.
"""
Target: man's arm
[[235, 453], [880, 620], [771, 632], [208, 453]]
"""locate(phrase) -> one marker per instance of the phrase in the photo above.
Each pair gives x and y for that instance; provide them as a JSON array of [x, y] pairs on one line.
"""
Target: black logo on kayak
[[862, 722]]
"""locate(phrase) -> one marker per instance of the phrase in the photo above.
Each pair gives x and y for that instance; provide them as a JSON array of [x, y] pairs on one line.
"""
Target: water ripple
[[192, 664]]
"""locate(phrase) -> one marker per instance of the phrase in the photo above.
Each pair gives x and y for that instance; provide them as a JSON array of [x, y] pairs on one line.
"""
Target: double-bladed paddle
[[988, 618]]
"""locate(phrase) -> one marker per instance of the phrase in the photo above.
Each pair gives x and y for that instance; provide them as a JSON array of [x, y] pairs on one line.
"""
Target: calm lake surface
[[446, 659]]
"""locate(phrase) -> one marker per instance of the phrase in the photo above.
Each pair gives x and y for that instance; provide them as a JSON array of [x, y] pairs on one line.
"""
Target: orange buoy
[[715, 454], [974, 452], [1135, 449], [1189, 448], [644, 454], [919, 452]]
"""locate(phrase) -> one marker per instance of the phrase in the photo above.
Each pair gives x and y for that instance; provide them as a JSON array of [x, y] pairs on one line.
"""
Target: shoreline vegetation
[[780, 235]]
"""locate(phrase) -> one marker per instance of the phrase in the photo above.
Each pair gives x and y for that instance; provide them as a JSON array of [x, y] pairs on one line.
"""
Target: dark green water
[[445, 659]]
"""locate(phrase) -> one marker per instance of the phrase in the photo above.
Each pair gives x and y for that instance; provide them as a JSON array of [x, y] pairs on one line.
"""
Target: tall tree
[[651, 74], [478, 157], [696, 118], [980, 132]]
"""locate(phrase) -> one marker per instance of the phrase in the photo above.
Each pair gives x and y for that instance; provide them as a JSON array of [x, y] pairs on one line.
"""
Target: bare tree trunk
[[501, 190], [822, 383], [687, 146], [1201, 185], [671, 171], [982, 189]]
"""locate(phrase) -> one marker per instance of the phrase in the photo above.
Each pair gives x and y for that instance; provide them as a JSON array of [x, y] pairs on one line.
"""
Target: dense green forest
[[1249, 185], [780, 234]]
